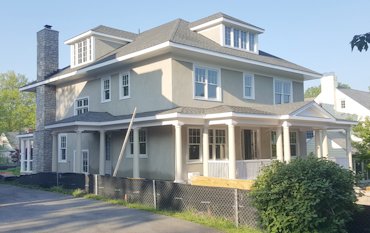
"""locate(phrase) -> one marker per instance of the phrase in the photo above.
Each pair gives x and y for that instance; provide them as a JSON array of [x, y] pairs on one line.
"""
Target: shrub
[[78, 193], [306, 195]]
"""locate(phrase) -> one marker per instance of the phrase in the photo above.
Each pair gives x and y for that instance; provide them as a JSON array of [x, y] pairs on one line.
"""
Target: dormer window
[[240, 39], [82, 52]]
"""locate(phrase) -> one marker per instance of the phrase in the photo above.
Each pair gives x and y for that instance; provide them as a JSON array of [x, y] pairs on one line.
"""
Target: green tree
[[17, 109], [306, 195], [362, 130], [343, 86], [361, 42], [312, 92]]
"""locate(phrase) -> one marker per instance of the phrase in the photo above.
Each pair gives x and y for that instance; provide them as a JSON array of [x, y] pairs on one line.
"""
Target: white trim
[[218, 88], [75, 104], [120, 86], [91, 33], [252, 86], [29, 135], [102, 90], [188, 160], [224, 20], [60, 160]]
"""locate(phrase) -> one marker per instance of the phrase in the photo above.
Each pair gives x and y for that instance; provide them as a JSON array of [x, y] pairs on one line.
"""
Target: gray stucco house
[[209, 102]]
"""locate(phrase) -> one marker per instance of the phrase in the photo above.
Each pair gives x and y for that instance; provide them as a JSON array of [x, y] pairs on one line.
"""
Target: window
[[142, 142], [251, 41], [283, 90], [343, 104], [85, 161], [309, 134], [62, 148], [240, 39], [206, 83], [228, 36], [248, 86], [82, 52], [124, 82], [273, 145], [26, 155], [193, 144], [81, 106], [106, 87], [217, 144], [293, 143]]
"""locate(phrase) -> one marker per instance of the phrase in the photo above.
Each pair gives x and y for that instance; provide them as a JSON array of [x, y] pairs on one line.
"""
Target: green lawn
[[15, 171]]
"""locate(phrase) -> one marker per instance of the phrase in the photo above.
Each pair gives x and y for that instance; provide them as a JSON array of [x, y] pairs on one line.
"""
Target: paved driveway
[[28, 210]]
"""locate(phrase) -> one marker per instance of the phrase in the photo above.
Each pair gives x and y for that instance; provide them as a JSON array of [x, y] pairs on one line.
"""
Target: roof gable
[[312, 110], [361, 97]]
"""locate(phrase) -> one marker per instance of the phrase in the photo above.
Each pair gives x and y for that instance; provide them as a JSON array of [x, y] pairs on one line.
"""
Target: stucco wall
[[213, 33], [298, 91]]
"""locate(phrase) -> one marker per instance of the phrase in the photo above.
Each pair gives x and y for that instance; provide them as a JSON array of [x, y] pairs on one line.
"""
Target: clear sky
[[311, 33]]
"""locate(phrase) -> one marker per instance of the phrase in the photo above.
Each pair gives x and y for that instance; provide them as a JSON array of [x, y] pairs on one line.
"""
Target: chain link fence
[[231, 204]]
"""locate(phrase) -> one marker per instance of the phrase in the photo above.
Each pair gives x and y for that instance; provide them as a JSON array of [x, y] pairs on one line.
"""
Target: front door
[[250, 145]]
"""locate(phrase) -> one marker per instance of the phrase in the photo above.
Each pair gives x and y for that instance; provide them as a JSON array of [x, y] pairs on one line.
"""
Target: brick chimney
[[47, 64]]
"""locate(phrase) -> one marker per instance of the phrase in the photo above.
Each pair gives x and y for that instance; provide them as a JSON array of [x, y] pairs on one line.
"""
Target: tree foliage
[[312, 92], [362, 130], [361, 42], [306, 195], [17, 109], [343, 86]]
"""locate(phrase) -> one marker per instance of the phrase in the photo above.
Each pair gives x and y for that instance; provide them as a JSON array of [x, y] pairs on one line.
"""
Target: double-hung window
[[228, 36], [251, 41], [206, 83], [283, 91], [273, 144], [293, 143], [105, 89], [81, 105], [194, 144], [236, 37], [62, 148], [217, 144], [124, 85], [248, 81], [142, 142]]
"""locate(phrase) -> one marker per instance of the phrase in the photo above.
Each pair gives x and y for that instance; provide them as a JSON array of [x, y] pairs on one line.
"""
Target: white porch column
[[287, 156], [325, 149], [135, 160], [54, 152], [318, 143], [78, 155], [102, 153], [22, 155], [232, 156], [279, 145], [205, 150], [349, 148], [178, 154]]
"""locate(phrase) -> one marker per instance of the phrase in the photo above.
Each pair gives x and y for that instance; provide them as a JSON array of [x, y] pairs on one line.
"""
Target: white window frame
[[218, 88], [232, 44], [214, 144], [188, 160], [252, 96], [131, 144], [291, 89], [121, 92], [342, 103], [76, 108], [90, 54], [60, 160], [296, 144], [103, 100]]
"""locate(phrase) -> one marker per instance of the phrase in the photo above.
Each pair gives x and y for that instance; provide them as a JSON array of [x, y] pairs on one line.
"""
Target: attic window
[[82, 51], [236, 38]]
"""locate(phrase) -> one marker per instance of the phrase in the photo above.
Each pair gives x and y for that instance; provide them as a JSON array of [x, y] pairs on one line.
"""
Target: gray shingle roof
[[362, 97], [114, 32], [216, 16], [178, 31]]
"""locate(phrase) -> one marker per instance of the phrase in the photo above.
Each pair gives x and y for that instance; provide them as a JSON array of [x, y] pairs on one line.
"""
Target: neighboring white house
[[341, 103], [209, 102]]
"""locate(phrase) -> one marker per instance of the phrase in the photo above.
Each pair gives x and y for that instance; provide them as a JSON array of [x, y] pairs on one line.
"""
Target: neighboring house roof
[[361, 97], [178, 31], [114, 32], [216, 16]]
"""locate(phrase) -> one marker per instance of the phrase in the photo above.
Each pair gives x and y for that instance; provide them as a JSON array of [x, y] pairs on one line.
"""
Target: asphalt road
[[29, 210]]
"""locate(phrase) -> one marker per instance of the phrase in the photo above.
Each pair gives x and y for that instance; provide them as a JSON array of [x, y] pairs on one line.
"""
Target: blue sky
[[311, 33]]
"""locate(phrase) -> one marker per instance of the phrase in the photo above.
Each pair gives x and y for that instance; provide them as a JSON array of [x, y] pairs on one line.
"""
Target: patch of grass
[[78, 193], [192, 216], [15, 171]]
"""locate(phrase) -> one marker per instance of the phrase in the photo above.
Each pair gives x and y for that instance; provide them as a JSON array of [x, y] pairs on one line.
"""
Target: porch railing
[[249, 169], [245, 169]]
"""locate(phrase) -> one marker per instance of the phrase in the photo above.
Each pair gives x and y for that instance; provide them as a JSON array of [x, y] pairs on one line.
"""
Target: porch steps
[[220, 182]]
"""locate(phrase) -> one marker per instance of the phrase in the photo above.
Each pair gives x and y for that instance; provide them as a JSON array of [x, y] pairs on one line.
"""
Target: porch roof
[[250, 110]]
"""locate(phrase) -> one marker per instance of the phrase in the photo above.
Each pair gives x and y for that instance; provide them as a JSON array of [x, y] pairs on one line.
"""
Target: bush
[[306, 195]]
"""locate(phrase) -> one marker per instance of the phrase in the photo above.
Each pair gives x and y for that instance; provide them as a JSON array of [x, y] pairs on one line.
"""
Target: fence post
[[154, 195], [96, 184], [236, 208]]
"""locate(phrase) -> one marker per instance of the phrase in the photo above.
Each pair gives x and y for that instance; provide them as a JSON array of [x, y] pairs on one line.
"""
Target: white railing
[[249, 169], [218, 168]]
